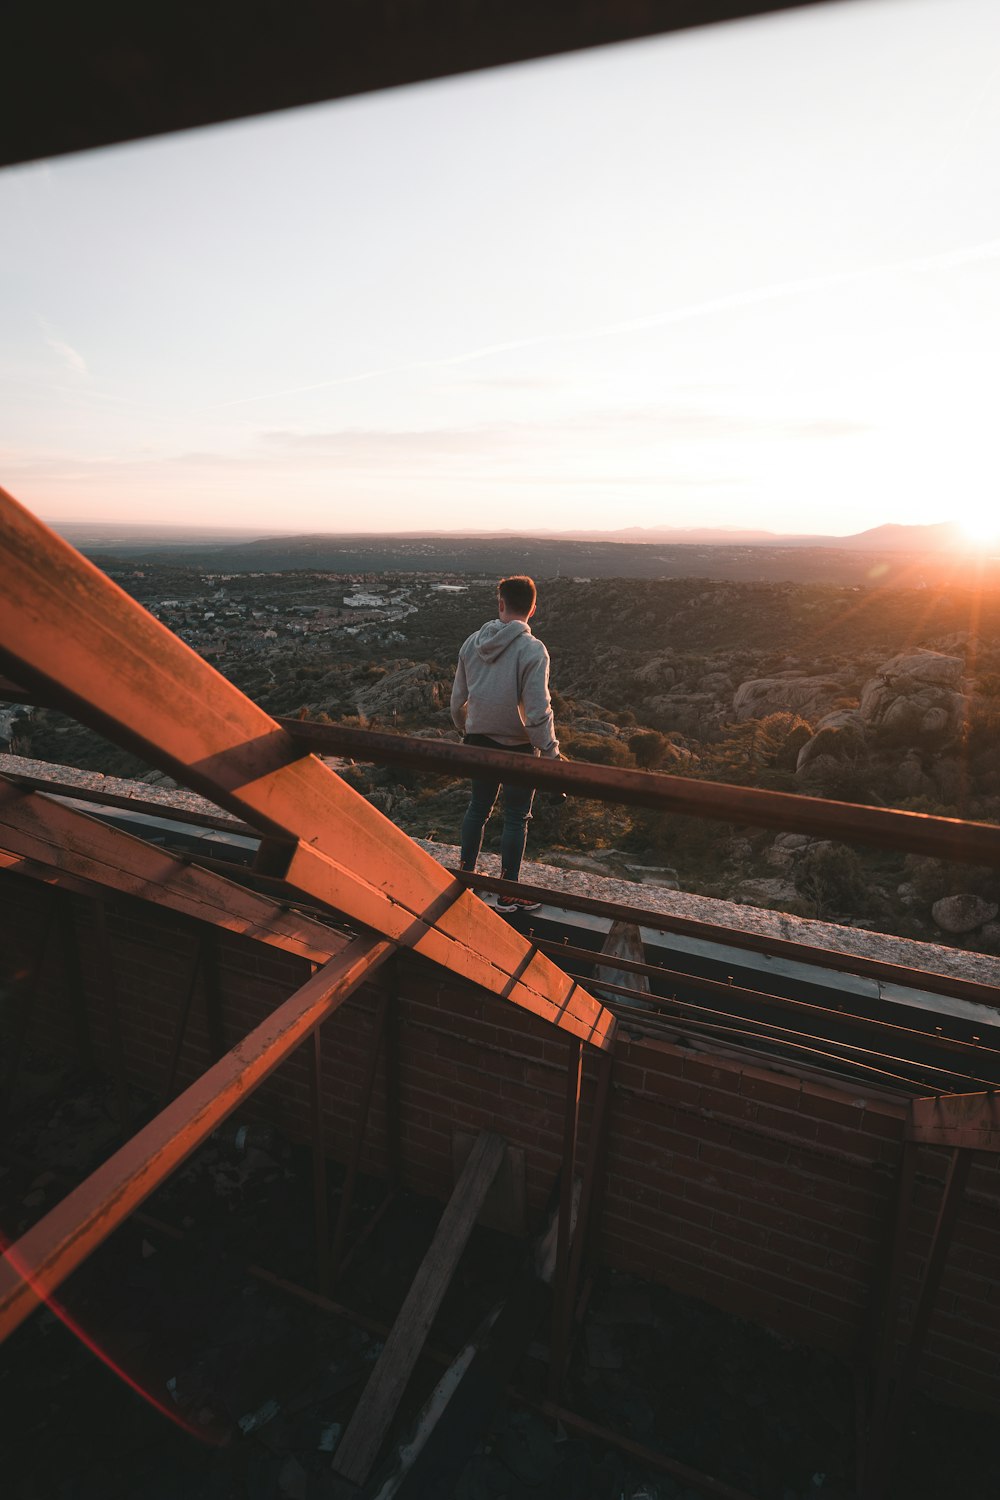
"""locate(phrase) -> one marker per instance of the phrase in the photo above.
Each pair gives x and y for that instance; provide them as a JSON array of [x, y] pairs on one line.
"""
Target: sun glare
[[982, 527]]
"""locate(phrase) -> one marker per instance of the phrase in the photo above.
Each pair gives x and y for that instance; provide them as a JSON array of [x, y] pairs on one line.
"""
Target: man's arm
[[459, 697], [537, 705]]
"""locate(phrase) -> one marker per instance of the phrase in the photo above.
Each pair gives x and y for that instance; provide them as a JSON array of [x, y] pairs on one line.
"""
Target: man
[[501, 700]]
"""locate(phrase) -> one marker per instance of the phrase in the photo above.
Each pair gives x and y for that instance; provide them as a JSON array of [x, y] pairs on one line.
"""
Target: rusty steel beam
[[42, 831], [31, 1269], [969, 1121], [848, 822], [65, 627]]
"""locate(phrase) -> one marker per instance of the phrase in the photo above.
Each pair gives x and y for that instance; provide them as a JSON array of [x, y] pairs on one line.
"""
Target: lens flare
[[213, 1439]]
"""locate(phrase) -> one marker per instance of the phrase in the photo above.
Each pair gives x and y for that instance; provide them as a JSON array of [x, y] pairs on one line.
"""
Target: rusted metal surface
[[968, 1121], [31, 1269], [38, 829], [849, 822], [64, 626]]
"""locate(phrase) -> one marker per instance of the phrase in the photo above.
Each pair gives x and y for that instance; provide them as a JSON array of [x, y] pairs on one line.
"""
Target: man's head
[[516, 597]]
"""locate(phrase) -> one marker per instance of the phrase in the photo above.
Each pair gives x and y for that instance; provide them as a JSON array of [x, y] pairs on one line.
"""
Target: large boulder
[[963, 913], [911, 779], [914, 698], [694, 714], [839, 736], [762, 891], [792, 693], [660, 672], [593, 726], [412, 690]]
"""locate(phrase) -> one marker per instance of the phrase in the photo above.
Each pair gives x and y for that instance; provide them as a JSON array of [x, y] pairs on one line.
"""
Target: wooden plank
[[367, 1428], [31, 1269], [509, 966], [65, 627], [624, 941], [971, 1121], [44, 831]]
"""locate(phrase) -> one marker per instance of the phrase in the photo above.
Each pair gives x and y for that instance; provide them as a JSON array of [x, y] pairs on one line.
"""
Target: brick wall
[[763, 1192]]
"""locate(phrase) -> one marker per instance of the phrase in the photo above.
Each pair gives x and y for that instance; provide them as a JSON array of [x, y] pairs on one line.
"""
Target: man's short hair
[[518, 593]]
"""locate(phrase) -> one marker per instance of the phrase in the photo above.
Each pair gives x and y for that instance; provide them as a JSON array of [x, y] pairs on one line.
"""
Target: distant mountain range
[[128, 538], [884, 557]]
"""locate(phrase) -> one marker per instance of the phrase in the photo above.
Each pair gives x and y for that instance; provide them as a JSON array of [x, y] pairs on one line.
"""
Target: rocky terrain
[[887, 696]]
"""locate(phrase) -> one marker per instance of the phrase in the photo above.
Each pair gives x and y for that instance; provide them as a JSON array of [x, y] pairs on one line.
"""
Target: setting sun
[[982, 526]]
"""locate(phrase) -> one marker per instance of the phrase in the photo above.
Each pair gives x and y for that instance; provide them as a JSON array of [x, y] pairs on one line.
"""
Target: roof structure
[[71, 638]]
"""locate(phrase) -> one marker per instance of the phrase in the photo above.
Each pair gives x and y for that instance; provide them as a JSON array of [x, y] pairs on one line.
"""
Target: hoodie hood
[[493, 638]]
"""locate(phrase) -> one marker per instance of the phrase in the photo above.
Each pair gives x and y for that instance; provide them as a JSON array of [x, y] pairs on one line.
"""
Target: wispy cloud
[[730, 302], [71, 358]]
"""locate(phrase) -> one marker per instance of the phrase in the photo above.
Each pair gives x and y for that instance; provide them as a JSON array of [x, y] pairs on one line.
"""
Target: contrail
[[988, 250]]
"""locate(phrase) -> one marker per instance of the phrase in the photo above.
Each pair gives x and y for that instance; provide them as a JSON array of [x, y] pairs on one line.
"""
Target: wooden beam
[[67, 629], [971, 1121], [43, 831], [850, 822], [31, 1269], [374, 1412]]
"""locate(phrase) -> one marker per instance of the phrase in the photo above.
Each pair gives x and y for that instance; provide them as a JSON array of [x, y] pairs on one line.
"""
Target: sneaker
[[488, 898], [522, 904]]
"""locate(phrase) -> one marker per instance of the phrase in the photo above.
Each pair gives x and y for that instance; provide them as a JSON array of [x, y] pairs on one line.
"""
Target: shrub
[[833, 878], [648, 748], [599, 749]]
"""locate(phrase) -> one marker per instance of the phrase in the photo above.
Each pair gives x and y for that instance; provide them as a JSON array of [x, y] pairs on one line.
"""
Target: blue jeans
[[517, 800]]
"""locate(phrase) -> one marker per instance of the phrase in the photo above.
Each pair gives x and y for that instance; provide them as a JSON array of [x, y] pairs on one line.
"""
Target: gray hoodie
[[502, 687]]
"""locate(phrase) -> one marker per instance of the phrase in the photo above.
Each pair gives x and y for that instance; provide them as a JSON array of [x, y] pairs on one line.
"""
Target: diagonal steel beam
[[31, 1269], [67, 629]]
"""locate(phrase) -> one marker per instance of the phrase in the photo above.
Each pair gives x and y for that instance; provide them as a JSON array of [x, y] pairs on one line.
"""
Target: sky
[[746, 276]]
